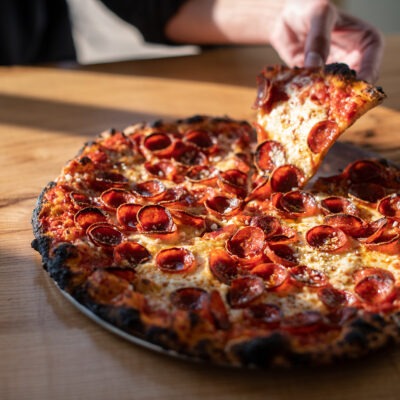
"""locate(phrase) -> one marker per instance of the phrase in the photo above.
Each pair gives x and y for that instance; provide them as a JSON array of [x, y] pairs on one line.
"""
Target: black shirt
[[34, 31]]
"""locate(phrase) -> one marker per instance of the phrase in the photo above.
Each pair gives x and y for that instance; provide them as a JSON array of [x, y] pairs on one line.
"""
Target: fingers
[[318, 40]]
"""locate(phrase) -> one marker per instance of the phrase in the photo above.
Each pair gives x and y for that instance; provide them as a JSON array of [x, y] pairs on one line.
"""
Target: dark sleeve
[[33, 31], [149, 16]]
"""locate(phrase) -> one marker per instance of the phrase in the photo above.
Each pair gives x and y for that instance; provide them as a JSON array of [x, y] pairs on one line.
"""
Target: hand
[[313, 32]]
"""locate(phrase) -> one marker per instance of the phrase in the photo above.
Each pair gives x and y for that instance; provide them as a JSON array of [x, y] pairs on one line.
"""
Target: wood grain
[[48, 349]]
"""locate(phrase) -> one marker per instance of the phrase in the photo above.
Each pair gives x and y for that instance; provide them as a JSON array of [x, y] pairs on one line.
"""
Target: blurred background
[[100, 36]]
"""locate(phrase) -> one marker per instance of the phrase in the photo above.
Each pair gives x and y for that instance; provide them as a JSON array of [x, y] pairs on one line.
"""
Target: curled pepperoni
[[269, 155], [269, 315], [199, 137], [349, 224], [126, 215], [219, 232], [298, 203], [281, 254], [188, 220], [322, 136], [190, 299], [222, 266], [264, 88], [270, 225], [88, 216], [114, 197], [286, 178], [233, 181], [327, 238], [223, 206], [155, 218], [131, 254], [104, 179], [163, 169], [261, 191], [175, 259], [362, 171], [188, 154], [286, 235], [273, 275], [333, 298], [390, 206], [386, 238], [337, 205], [80, 199], [305, 276], [244, 290], [104, 234], [303, 322], [158, 142], [374, 285], [367, 192], [201, 174], [247, 243], [152, 189]]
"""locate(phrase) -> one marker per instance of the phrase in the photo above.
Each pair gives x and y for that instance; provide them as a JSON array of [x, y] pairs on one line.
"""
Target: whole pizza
[[204, 236]]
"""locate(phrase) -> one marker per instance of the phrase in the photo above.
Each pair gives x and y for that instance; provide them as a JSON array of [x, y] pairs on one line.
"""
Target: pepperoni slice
[[127, 215], [268, 315], [262, 191], [163, 169], [104, 179], [131, 254], [303, 322], [281, 254], [222, 266], [188, 220], [247, 243], [190, 299], [223, 206], [155, 218], [269, 224], [286, 178], [149, 190], [338, 205], [349, 224], [104, 234], [175, 260], [233, 181], [386, 238], [219, 232], [305, 276], [269, 155], [375, 287], [367, 192], [244, 290], [322, 136], [201, 174], [114, 197], [286, 235], [159, 143], [327, 238], [218, 311], [362, 171], [264, 88], [188, 154], [298, 203], [390, 206], [199, 137], [333, 298], [88, 216], [80, 199], [273, 275]]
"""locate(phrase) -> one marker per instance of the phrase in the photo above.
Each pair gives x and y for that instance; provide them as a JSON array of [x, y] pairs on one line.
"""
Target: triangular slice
[[301, 112]]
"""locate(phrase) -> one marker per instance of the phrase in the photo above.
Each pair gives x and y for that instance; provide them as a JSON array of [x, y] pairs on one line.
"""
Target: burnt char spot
[[363, 326], [340, 69], [56, 265], [161, 336], [356, 339], [195, 119], [261, 352]]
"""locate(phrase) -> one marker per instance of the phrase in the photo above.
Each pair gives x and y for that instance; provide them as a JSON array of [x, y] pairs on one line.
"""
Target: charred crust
[[261, 351], [340, 69], [195, 119], [56, 266]]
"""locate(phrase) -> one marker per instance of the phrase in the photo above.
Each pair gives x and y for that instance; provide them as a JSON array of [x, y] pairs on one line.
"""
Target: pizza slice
[[301, 112]]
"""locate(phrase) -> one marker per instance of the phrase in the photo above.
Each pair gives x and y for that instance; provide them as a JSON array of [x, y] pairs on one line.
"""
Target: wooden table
[[48, 349]]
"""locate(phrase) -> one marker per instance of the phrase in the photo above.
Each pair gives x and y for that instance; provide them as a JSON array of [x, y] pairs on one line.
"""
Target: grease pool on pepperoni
[[389, 206], [223, 206], [337, 205], [155, 219], [327, 238], [199, 137], [247, 244], [126, 215], [222, 266], [281, 253], [244, 290], [322, 136], [112, 198], [286, 178], [88, 216], [104, 234], [150, 190], [175, 260], [297, 203], [130, 253]]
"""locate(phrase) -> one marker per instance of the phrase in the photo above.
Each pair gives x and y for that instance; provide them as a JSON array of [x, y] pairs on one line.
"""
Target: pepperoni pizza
[[198, 238]]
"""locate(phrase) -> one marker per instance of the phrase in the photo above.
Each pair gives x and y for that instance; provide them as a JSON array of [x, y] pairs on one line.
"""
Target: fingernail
[[313, 59]]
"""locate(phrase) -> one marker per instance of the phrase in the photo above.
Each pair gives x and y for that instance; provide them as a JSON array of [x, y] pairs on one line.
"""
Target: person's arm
[[307, 32]]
